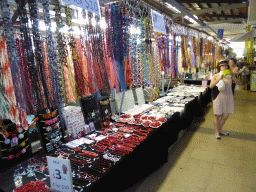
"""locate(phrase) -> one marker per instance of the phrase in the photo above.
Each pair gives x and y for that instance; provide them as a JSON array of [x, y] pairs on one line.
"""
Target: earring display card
[[74, 119], [91, 110], [105, 109], [49, 129]]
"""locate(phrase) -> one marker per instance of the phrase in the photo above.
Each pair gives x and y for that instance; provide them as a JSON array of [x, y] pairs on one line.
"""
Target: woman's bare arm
[[215, 79]]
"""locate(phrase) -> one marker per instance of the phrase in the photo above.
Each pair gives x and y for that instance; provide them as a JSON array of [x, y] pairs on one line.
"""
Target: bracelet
[[11, 156], [49, 115], [50, 121]]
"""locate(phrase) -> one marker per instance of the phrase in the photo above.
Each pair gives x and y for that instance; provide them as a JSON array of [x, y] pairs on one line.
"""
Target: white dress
[[224, 102]]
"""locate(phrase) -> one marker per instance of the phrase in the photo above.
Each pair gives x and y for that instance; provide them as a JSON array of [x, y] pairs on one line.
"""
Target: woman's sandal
[[224, 133], [217, 137]]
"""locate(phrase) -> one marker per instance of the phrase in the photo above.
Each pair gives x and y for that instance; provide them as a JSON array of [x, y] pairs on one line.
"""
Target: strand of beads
[[176, 58], [119, 44], [133, 50], [146, 70], [166, 42], [56, 71], [23, 63], [173, 54], [32, 68], [16, 74], [33, 9], [81, 83], [150, 50], [109, 51], [8, 98]]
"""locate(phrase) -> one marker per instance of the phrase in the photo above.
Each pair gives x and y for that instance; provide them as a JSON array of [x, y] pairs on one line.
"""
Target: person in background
[[246, 74], [223, 101], [235, 70]]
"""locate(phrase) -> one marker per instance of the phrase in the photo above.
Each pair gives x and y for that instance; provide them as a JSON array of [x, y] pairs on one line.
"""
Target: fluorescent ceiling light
[[172, 8], [195, 16], [190, 19]]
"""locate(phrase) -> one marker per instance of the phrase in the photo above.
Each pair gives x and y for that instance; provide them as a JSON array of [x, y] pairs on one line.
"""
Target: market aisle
[[199, 162]]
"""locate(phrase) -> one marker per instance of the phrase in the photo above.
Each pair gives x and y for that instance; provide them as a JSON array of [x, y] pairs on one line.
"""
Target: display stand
[[12, 153], [49, 129], [91, 111], [105, 109]]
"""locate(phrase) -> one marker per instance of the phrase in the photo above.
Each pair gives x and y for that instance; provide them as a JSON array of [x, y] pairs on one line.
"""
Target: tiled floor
[[199, 162]]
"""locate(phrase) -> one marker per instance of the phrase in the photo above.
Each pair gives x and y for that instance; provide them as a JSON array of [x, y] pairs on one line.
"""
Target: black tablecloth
[[148, 156], [196, 82]]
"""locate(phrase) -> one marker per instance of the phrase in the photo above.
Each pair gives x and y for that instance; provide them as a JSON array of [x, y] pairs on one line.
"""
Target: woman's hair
[[234, 60]]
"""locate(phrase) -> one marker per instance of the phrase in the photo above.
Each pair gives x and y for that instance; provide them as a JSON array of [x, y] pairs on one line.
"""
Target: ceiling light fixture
[[172, 8], [190, 19]]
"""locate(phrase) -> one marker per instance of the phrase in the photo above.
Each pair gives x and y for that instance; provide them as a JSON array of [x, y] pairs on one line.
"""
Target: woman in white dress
[[223, 101]]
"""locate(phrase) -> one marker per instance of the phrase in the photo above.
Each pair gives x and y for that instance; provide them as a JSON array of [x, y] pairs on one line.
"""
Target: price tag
[[204, 83], [60, 174], [158, 22], [89, 5]]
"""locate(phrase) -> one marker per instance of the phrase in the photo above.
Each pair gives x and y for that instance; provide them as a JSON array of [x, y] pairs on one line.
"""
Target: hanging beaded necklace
[[133, 51], [192, 51], [17, 76], [33, 9], [65, 65], [7, 96], [144, 69], [166, 42], [81, 82], [150, 52], [109, 45], [24, 67], [173, 58], [56, 71], [177, 56], [119, 41], [32, 68]]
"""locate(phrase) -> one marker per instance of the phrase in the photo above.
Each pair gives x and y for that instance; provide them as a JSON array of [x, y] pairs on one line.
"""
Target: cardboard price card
[[89, 5], [158, 22], [60, 174]]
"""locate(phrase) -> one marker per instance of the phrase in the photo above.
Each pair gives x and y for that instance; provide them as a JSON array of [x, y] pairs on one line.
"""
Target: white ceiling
[[252, 13]]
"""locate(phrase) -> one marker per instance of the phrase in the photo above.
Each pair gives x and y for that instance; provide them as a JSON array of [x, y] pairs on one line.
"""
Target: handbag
[[221, 85]]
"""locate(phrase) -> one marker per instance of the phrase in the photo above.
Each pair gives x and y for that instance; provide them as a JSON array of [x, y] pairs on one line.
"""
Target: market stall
[[91, 80], [153, 150]]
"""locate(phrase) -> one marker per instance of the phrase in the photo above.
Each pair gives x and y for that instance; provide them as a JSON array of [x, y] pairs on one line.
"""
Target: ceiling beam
[[202, 11], [209, 1], [219, 22], [226, 16]]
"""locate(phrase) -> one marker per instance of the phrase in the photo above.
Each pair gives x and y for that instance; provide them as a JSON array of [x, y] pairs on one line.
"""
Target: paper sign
[[60, 174], [204, 83], [89, 5], [221, 32], [128, 101], [140, 96], [158, 21]]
